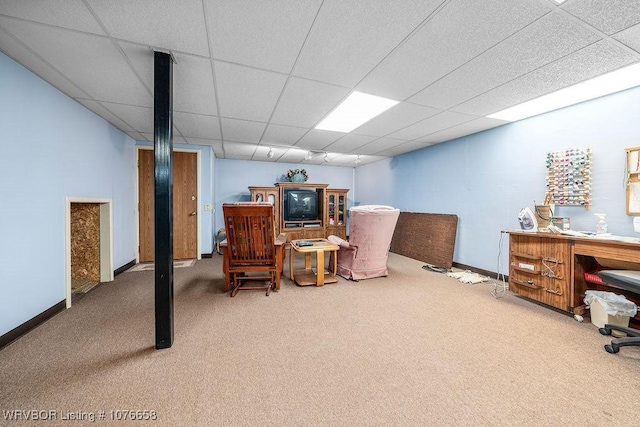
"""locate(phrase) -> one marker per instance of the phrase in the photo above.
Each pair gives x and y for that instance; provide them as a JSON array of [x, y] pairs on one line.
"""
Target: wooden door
[[185, 205]]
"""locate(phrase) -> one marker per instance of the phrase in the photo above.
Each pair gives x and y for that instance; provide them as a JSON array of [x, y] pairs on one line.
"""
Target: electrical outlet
[[208, 207]]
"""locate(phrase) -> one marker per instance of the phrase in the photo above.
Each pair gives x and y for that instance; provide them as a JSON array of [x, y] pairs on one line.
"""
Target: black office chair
[[628, 280]]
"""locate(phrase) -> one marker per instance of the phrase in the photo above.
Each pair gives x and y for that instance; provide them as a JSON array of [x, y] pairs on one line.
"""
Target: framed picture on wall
[[633, 180]]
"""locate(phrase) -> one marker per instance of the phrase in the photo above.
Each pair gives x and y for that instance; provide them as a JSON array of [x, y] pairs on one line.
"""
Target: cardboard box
[[599, 317]]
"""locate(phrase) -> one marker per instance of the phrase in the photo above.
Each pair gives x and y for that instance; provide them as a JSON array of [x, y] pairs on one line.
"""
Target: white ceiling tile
[[433, 124], [630, 37], [405, 147], [608, 16], [317, 139], [366, 159], [293, 155], [379, 145], [203, 141], [197, 125], [339, 159], [266, 35], [246, 92], [283, 135], [94, 63], [215, 144], [548, 39], [238, 149], [11, 47], [459, 32], [237, 156], [589, 62], [140, 118], [241, 130], [396, 118], [349, 38], [147, 137], [463, 129], [62, 13], [103, 112], [193, 90], [349, 143], [165, 24], [304, 102], [177, 139], [136, 136]]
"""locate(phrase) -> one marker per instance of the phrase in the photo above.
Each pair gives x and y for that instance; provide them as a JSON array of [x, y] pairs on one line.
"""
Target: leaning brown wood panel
[[426, 237]]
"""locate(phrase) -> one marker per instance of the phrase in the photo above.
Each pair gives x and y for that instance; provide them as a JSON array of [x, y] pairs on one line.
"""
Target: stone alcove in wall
[[88, 245], [85, 247]]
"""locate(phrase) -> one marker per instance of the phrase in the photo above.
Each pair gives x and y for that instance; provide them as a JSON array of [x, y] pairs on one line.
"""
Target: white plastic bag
[[611, 303]]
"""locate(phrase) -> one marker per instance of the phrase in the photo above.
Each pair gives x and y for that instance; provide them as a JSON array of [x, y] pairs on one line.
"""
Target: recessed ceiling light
[[357, 109], [559, 1], [606, 84]]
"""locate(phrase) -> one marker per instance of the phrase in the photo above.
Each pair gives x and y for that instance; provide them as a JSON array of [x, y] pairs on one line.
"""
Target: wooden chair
[[252, 252]]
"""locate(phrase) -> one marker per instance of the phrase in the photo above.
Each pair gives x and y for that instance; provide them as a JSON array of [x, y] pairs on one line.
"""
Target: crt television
[[300, 205]]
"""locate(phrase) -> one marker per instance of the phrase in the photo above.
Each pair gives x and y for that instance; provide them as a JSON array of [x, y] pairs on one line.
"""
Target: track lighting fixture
[[308, 156], [326, 158], [358, 160], [270, 153]]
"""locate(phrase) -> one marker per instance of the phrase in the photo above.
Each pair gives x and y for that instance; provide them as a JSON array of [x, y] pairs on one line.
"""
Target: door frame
[[198, 195], [106, 241]]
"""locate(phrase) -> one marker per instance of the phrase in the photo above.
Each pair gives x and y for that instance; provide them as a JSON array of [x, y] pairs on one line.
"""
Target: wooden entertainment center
[[332, 210]]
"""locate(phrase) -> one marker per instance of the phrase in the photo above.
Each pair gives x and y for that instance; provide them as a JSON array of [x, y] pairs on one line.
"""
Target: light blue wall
[[233, 178], [488, 177], [207, 165], [52, 147]]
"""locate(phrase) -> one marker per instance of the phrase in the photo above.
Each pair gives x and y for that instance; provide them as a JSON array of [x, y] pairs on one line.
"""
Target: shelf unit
[[336, 212], [332, 205]]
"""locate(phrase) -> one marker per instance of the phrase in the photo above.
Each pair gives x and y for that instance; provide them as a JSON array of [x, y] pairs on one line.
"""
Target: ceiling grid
[[254, 75]]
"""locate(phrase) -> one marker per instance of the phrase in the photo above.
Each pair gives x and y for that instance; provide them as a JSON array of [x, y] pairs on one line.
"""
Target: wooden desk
[[307, 276], [550, 268]]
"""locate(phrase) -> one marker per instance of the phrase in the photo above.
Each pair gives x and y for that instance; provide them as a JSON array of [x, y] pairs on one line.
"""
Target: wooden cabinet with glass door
[[270, 195], [336, 212]]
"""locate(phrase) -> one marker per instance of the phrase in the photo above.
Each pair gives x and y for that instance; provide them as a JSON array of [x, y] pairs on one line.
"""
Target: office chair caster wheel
[[611, 348], [605, 331]]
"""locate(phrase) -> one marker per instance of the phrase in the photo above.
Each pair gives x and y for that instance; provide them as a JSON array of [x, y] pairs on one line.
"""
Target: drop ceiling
[[254, 75]]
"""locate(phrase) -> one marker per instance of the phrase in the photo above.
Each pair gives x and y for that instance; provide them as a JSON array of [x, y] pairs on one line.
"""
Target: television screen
[[301, 205]]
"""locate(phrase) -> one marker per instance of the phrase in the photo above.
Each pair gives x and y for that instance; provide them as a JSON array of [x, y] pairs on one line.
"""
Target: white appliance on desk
[[527, 220]]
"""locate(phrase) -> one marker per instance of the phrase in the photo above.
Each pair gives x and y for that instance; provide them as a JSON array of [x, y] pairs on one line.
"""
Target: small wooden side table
[[307, 276]]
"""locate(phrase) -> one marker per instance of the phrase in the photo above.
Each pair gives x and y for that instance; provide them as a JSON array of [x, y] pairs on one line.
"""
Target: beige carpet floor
[[415, 348]]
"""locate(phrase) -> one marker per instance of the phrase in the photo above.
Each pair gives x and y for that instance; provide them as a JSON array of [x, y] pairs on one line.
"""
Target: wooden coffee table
[[308, 276]]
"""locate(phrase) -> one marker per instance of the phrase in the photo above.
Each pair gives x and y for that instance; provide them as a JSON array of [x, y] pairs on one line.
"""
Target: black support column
[[163, 149]]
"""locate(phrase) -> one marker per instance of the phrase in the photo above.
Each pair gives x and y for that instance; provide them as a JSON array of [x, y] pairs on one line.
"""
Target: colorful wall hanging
[[569, 177]]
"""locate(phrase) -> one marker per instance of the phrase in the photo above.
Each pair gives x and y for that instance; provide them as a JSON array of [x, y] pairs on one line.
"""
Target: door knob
[[192, 213]]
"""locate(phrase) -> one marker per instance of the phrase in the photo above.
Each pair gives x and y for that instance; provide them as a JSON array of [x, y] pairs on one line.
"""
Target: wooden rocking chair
[[252, 251]]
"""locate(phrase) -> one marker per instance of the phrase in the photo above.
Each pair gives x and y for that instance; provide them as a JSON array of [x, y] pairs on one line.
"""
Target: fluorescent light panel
[[606, 84], [354, 111]]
